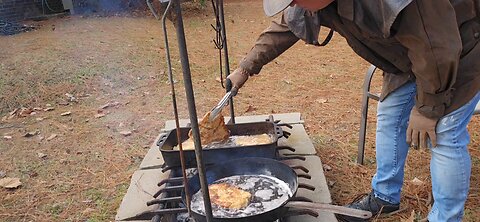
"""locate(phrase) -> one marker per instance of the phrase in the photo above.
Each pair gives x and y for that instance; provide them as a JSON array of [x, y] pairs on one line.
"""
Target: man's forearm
[[275, 40]]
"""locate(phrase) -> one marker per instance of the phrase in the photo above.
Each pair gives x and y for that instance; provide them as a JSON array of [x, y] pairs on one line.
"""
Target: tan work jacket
[[434, 43]]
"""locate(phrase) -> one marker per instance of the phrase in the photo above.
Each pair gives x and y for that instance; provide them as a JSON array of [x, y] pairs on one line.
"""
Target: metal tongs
[[223, 102]]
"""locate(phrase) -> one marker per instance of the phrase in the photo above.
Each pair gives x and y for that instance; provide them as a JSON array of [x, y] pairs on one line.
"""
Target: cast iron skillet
[[263, 166]]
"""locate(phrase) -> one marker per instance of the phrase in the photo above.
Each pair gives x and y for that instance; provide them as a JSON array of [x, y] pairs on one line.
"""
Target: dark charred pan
[[246, 166], [263, 166], [168, 141]]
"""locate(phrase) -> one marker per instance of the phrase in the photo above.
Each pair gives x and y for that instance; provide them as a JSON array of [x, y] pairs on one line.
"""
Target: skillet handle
[[330, 208]]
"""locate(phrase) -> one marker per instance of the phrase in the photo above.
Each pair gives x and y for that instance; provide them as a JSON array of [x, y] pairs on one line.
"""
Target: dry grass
[[99, 60]]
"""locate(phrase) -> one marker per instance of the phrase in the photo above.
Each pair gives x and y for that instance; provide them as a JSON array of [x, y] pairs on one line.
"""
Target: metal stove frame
[[182, 45]]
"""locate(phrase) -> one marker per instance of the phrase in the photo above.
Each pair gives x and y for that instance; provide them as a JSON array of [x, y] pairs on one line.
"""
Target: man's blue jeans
[[450, 165]]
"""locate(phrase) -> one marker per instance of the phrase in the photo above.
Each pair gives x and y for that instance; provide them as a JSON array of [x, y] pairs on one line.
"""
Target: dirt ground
[[77, 167]]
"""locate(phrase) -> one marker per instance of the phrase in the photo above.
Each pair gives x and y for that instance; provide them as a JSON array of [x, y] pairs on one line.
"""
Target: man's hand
[[420, 128], [238, 78]]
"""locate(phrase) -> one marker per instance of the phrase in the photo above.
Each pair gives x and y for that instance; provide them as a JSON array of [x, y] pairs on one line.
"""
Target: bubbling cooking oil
[[268, 193], [232, 141]]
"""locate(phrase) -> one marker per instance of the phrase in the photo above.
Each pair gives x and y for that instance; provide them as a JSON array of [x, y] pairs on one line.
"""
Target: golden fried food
[[186, 145], [228, 196], [212, 131], [252, 140]]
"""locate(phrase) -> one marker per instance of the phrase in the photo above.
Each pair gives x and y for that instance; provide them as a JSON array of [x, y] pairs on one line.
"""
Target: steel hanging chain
[[220, 42]]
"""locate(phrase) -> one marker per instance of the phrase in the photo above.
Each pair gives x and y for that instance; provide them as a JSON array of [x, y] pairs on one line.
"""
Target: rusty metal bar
[[363, 122], [175, 109], [187, 78]]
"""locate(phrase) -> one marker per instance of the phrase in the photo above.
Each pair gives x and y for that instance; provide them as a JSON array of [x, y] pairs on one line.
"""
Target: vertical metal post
[[174, 101], [225, 52], [363, 121], [187, 78]]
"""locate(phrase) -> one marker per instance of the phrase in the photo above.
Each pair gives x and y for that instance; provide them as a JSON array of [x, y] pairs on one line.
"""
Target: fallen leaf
[[105, 106], [66, 113], [327, 167], [417, 182], [13, 112], [411, 218], [41, 155], [48, 109], [321, 101], [51, 137], [331, 183], [7, 137], [126, 133], [2, 174], [10, 183], [88, 210], [99, 115], [25, 112], [111, 104], [250, 109], [174, 81], [30, 134], [70, 97]]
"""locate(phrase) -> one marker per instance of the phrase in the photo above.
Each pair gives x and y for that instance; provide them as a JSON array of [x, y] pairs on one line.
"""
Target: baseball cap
[[273, 7]]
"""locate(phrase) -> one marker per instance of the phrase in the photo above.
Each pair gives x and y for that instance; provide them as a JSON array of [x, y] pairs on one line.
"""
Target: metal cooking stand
[[221, 33]]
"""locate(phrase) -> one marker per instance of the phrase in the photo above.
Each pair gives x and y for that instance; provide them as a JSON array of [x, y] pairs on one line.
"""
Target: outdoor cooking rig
[[221, 44], [173, 199]]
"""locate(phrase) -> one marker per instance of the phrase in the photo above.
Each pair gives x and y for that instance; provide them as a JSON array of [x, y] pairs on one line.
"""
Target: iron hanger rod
[[182, 46]]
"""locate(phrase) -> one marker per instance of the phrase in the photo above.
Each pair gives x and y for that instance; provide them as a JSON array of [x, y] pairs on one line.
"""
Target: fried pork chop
[[212, 131], [228, 196]]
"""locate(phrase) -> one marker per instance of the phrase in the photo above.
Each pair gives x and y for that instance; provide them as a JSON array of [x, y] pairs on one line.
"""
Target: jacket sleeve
[[272, 42], [429, 30]]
